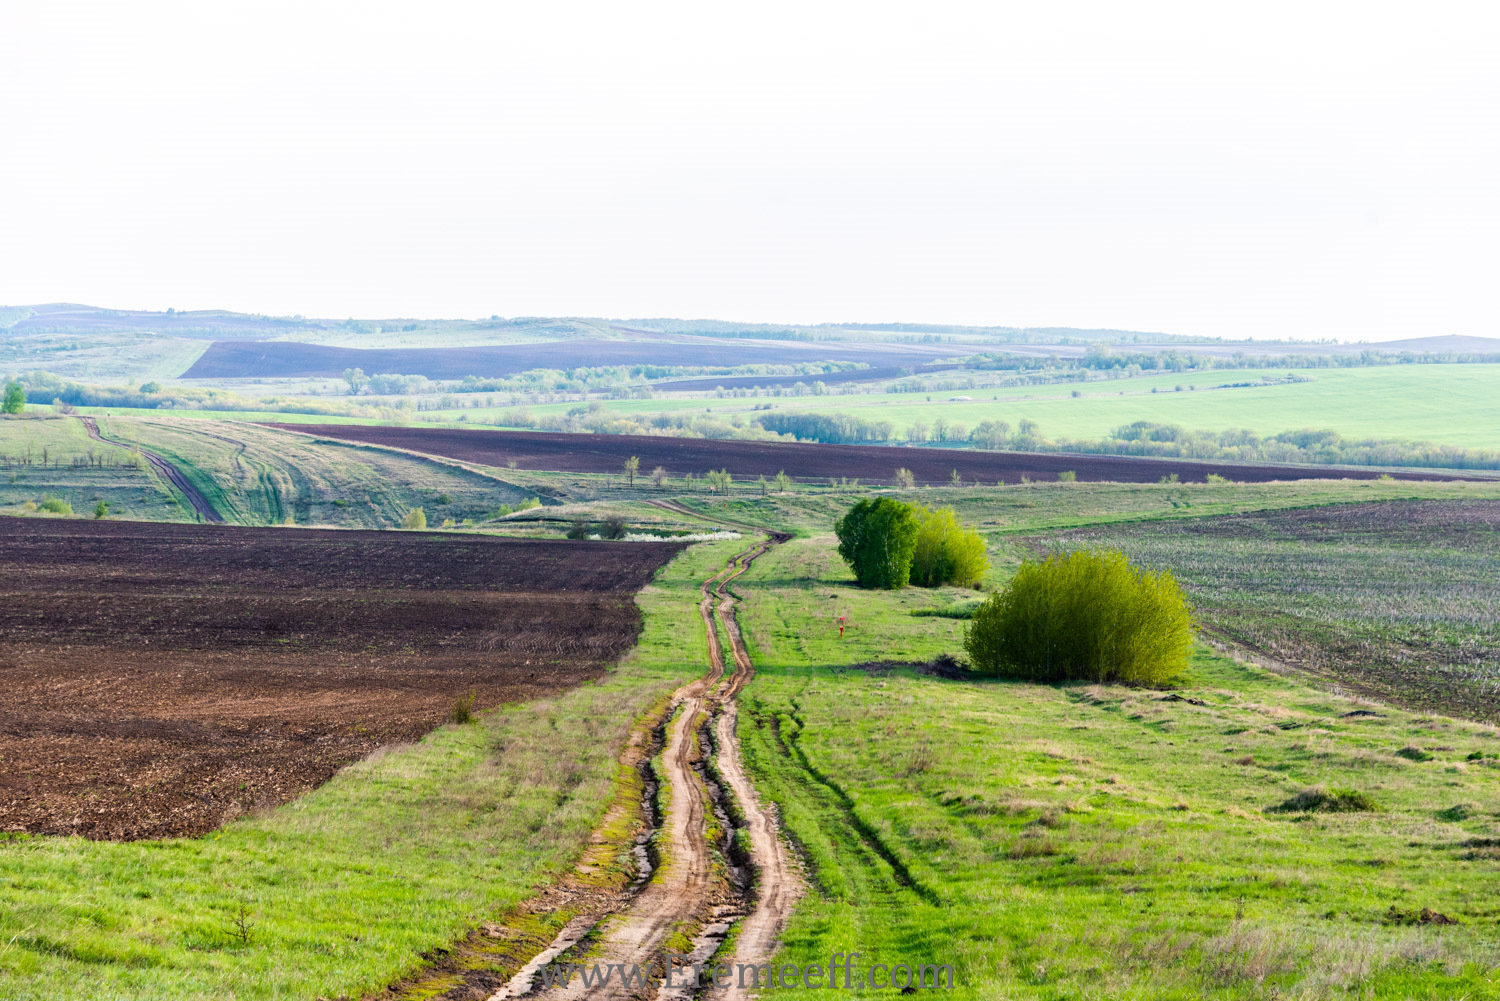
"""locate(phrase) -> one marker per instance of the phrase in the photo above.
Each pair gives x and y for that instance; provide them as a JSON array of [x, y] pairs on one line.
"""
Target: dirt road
[[689, 897], [171, 473]]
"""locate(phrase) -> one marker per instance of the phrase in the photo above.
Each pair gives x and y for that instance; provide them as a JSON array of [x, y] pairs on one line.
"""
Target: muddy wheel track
[[200, 504], [689, 896]]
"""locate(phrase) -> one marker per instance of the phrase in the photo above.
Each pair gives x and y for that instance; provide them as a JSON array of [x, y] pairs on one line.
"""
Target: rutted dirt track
[[171, 473], [689, 896]]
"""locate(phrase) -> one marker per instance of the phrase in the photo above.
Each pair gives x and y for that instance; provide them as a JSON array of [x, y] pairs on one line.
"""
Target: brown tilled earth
[[158, 680], [606, 453]]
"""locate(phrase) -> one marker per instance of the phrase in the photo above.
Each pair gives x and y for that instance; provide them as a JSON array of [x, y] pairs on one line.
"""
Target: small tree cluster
[[15, 399], [1088, 616], [889, 544]]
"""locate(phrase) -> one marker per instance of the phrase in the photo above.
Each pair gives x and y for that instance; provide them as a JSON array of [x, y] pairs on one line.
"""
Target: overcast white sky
[[1265, 169]]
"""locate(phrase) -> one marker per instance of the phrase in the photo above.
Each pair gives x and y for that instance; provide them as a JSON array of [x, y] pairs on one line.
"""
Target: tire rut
[[199, 503], [689, 898]]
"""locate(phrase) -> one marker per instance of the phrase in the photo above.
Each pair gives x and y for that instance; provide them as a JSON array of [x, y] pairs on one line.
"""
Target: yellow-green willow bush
[[1088, 616], [947, 551]]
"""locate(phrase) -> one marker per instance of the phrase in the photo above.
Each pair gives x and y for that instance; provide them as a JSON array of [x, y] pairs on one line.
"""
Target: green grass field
[[1450, 404], [1097, 842]]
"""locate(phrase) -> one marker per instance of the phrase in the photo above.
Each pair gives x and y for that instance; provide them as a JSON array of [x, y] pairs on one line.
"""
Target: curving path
[[171, 473]]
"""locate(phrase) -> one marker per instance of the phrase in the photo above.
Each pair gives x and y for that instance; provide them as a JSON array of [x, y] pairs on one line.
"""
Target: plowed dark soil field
[[605, 453], [159, 679]]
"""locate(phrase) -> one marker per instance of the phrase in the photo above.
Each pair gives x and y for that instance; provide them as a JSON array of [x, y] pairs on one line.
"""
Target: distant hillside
[[289, 359]]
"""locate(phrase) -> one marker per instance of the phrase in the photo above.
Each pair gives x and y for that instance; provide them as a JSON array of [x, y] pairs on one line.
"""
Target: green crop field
[[251, 475], [1450, 404], [1395, 600]]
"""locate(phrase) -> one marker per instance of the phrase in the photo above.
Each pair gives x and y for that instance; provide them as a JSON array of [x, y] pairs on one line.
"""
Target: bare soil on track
[[606, 453], [158, 680], [689, 896]]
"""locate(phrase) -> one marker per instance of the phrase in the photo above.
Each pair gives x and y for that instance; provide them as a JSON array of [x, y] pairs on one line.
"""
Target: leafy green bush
[[578, 529], [878, 538], [463, 709], [946, 551], [415, 518], [101, 510], [55, 505], [1088, 616]]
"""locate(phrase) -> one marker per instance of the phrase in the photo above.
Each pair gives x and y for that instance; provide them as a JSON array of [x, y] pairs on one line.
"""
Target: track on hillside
[[689, 895], [875, 464], [173, 475]]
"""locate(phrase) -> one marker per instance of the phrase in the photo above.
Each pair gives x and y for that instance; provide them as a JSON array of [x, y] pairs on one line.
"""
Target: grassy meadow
[[1080, 841], [57, 458]]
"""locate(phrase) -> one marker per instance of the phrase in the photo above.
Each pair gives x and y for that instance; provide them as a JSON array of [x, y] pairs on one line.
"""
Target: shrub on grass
[[578, 529], [463, 709], [1320, 800], [946, 551], [877, 538], [613, 527], [1088, 616], [415, 518], [55, 505], [1411, 753], [101, 510]]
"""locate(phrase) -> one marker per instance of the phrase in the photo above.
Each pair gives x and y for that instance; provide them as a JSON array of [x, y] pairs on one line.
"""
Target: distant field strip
[[600, 453]]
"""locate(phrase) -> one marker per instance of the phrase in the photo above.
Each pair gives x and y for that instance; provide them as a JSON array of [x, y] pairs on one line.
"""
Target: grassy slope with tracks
[[1093, 841], [344, 889], [251, 475], [57, 458]]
